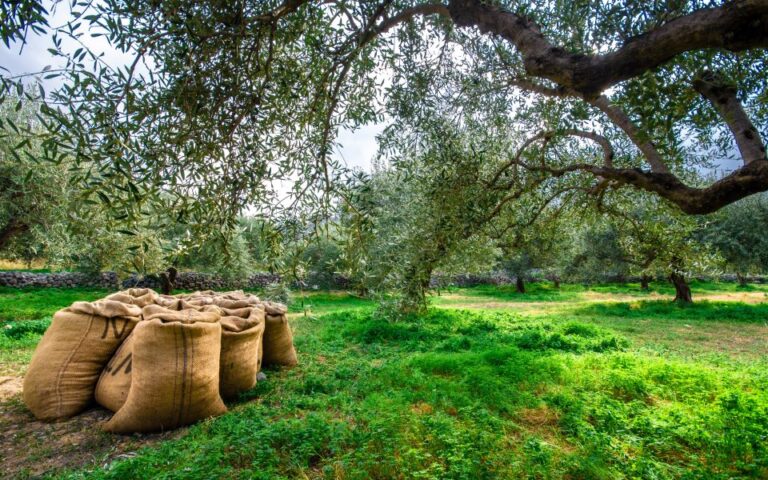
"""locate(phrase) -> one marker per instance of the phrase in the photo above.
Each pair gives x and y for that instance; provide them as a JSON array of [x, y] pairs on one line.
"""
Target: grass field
[[603, 382]]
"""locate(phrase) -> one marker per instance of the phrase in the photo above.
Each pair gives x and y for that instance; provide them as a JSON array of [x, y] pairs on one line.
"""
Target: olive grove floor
[[578, 382]]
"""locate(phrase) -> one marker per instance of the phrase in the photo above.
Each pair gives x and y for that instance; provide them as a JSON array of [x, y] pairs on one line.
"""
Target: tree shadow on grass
[[662, 309]]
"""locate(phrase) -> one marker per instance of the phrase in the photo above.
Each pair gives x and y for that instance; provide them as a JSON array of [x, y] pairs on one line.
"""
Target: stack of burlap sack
[[157, 361]]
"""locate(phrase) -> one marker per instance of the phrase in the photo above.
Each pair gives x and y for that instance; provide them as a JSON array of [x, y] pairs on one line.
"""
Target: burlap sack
[[115, 380], [195, 302], [197, 294], [277, 345], [168, 301], [274, 308], [233, 295], [174, 372], [241, 335], [140, 297], [200, 306], [234, 304], [69, 358]]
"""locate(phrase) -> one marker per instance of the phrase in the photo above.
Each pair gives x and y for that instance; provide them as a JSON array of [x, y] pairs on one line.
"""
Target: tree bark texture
[[520, 284], [682, 289]]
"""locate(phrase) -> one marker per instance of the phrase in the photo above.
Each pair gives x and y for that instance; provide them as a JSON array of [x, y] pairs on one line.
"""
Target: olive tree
[[537, 237], [596, 254], [33, 195], [738, 232], [657, 240], [221, 97]]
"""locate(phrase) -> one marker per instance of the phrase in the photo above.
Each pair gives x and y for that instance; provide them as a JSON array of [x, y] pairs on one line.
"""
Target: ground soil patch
[[30, 448]]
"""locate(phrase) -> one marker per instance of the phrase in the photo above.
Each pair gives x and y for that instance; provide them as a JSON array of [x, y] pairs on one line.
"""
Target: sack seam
[[63, 368]]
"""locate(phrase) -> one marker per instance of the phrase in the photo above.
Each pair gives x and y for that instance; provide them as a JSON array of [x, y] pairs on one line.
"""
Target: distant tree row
[[435, 208]]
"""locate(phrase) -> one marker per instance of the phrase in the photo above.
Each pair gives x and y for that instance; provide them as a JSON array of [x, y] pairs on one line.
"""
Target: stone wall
[[209, 281], [184, 280], [57, 280]]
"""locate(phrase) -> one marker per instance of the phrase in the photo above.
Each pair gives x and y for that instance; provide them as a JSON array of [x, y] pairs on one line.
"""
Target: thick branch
[[723, 97], [615, 114], [747, 180], [409, 13], [735, 26], [623, 121]]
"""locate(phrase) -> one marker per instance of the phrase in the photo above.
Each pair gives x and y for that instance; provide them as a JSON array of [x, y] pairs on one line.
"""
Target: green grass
[[37, 303], [546, 291], [535, 292], [459, 394], [701, 310], [324, 302], [597, 390]]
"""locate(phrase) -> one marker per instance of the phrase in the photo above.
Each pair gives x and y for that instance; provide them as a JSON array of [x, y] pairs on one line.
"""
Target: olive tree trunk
[[168, 281], [682, 290], [520, 284], [644, 283]]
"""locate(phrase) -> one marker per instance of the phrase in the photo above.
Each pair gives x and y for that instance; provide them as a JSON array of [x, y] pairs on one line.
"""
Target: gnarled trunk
[[520, 284], [682, 290], [417, 280], [644, 281], [168, 281], [742, 279]]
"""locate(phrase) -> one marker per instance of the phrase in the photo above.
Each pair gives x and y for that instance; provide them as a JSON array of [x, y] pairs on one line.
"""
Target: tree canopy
[[220, 98]]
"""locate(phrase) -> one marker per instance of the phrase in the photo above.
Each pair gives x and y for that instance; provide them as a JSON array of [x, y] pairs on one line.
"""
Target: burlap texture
[[174, 373], [140, 297], [168, 301], [241, 337], [277, 346], [68, 360], [115, 380]]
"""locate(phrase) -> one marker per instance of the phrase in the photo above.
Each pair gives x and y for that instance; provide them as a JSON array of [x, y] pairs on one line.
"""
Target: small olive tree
[[738, 232], [657, 240]]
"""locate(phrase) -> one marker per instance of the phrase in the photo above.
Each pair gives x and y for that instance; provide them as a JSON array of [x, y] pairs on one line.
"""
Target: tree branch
[[287, 7], [528, 85], [603, 142], [409, 13], [621, 120], [516, 158], [615, 114], [723, 97], [735, 26], [745, 181]]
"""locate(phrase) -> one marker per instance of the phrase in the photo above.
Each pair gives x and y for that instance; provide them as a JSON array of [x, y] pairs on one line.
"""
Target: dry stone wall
[[208, 281], [184, 280]]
